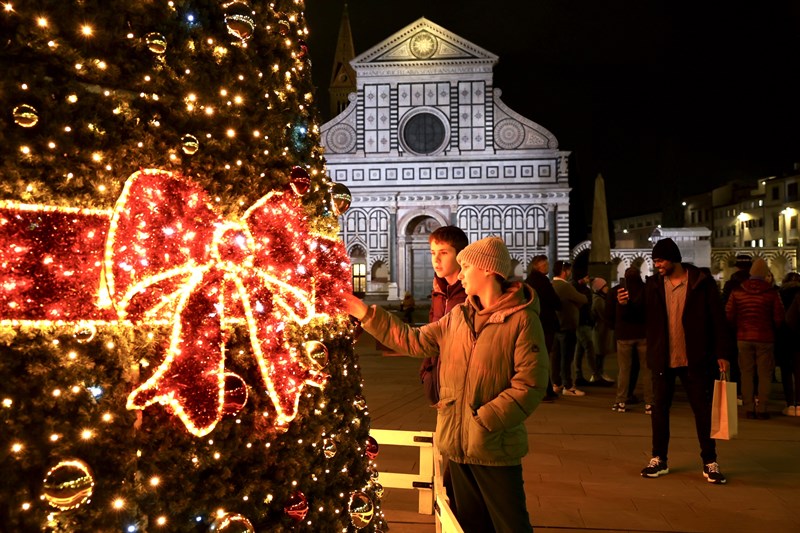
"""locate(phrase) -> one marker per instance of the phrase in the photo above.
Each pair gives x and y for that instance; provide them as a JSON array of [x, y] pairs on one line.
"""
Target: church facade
[[424, 141]]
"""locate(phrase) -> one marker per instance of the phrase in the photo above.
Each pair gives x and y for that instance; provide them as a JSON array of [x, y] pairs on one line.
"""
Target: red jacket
[[755, 310], [443, 298]]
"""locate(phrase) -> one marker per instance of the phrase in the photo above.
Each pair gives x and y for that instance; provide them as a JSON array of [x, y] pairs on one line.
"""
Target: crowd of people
[[494, 349]]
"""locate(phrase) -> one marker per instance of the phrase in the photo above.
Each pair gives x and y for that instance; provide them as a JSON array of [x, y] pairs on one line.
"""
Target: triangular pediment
[[424, 41]]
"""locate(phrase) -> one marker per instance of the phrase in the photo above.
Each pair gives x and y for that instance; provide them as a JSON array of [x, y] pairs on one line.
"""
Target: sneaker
[[648, 408], [618, 407], [606, 378], [599, 381], [573, 392], [557, 389], [657, 467], [713, 475], [791, 410]]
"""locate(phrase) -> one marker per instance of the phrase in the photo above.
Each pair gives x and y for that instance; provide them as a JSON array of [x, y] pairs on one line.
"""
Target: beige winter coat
[[490, 380]]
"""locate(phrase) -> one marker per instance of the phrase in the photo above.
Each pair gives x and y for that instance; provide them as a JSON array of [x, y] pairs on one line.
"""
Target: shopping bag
[[724, 421]]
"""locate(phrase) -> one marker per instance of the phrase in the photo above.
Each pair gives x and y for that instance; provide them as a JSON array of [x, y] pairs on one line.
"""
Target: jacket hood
[[517, 296], [440, 285], [755, 285]]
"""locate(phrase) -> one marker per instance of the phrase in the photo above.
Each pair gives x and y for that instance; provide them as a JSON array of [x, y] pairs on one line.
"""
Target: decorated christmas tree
[[173, 352]]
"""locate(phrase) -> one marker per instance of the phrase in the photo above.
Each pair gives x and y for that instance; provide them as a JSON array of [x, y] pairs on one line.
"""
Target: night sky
[[664, 98]]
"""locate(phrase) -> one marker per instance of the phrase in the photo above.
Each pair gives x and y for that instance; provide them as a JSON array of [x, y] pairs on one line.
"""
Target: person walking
[[755, 310], [687, 339], [566, 336], [630, 332], [493, 373], [549, 303]]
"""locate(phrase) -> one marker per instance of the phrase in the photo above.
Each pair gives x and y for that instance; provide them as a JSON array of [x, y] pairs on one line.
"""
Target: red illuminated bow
[[171, 257]]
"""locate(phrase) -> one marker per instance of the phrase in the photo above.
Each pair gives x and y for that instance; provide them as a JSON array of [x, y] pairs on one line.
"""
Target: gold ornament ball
[[239, 20], [377, 488], [340, 198], [84, 332], [329, 448], [25, 116], [156, 43], [231, 523], [189, 144], [361, 509], [68, 484], [317, 353]]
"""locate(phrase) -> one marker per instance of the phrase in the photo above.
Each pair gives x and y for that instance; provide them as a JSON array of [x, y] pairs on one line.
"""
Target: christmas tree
[[173, 354]]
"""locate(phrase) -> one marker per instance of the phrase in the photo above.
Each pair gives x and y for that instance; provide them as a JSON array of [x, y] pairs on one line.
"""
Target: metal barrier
[[428, 482]]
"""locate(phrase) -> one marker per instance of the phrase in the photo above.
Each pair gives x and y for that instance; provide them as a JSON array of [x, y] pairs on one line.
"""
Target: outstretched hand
[[354, 306]]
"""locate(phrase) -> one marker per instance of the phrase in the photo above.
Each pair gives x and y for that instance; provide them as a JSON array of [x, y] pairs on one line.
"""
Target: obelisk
[[601, 241]]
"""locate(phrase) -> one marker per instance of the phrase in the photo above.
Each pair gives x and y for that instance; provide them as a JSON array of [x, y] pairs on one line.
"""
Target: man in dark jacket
[[630, 332], [550, 303], [686, 338]]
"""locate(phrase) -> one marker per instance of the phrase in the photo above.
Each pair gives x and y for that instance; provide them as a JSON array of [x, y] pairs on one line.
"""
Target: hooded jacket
[[492, 376], [755, 310]]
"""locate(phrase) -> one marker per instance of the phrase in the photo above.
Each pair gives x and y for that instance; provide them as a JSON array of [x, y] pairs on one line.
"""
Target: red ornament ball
[[300, 180], [372, 447], [235, 394], [296, 506]]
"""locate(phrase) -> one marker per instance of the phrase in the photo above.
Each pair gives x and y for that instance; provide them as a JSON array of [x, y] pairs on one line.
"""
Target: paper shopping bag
[[724, 422]]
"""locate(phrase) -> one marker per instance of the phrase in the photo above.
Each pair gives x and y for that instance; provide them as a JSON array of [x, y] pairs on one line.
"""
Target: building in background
[[758, 218], [426, 141], [635, 231]]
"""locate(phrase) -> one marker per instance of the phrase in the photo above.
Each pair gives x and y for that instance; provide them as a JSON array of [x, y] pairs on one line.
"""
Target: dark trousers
[[490, 498], [699, 389], [562, 356]]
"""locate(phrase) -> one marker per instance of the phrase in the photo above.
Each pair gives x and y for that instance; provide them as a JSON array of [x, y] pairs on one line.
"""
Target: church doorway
[[418, 254]]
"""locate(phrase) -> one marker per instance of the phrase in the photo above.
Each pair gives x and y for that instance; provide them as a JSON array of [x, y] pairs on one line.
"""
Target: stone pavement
[[582, 473]]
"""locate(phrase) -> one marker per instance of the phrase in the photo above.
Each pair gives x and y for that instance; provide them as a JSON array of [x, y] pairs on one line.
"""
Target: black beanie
[[667, 249]]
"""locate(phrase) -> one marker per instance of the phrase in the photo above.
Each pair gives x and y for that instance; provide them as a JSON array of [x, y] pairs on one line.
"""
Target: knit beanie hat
[[490, 254], [598, 284], [667, 250], [759, 269]]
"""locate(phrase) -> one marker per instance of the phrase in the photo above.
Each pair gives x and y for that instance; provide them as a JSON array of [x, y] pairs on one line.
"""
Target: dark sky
[[664, 98]]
